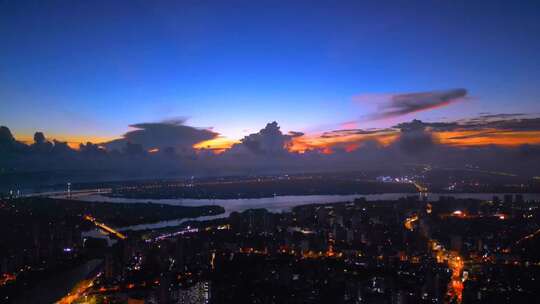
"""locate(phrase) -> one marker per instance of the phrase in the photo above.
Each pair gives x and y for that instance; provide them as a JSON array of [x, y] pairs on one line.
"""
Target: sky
[[86, 70]]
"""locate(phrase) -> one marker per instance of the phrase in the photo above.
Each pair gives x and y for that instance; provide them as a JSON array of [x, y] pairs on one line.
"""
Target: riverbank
[[276, 204]]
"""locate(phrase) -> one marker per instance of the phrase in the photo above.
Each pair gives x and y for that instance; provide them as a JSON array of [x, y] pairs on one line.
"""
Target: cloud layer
[[508, 143]]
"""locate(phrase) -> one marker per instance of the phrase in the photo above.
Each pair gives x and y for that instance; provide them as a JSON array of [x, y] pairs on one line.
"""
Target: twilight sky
[[86, 70]]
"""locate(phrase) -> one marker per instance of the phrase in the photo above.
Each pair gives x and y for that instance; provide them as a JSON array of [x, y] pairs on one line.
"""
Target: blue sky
[[91, 68]]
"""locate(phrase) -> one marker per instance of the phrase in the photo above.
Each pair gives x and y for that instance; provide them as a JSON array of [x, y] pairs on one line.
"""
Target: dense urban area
[[413, 249]]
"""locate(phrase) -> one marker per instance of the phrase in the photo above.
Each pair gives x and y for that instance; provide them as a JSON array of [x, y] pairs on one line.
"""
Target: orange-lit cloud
[[349, 141], [218, 144], [73, 141], [349, 125], [449, 134], [475, 138]]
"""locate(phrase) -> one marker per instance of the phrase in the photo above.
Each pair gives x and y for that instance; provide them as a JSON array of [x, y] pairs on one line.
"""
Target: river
[[273, 204]]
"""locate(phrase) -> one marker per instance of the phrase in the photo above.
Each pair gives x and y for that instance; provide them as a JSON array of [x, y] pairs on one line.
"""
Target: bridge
[[104, 227], [69, 194]]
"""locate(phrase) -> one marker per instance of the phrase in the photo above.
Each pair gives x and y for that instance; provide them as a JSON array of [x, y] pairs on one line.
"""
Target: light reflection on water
[[273, 204]]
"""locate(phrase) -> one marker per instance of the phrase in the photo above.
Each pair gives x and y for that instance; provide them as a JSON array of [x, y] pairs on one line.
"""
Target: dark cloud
[[268, 141], [501, 116], [349, 132], [434, 126], [295, 134], [402, 104], [483, 122], [6, 138], [162, 135], [92, 149], [415, 140], [41, 144], [525, 124], [39, 138], [8, 144]]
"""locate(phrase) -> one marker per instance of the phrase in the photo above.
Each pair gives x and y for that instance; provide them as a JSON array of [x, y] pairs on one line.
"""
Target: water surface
[[274, 204]]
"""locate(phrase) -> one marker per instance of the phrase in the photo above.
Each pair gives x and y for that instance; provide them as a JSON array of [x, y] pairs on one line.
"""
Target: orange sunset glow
[[73, 141], [217, 145], [348, 142], [351, 142], [472, 138]]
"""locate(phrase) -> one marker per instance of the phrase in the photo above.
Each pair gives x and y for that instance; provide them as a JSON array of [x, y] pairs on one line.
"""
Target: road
[[452, 259]]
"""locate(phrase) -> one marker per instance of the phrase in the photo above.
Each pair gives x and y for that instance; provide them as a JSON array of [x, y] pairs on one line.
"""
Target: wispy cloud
[[396, 105]]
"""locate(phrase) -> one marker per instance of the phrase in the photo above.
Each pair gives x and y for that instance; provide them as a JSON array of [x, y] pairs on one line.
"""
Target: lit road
[[453, 260], [409, 222], [455, 286], [105, 227], [527, 237], [455, 263], [78, 291]]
